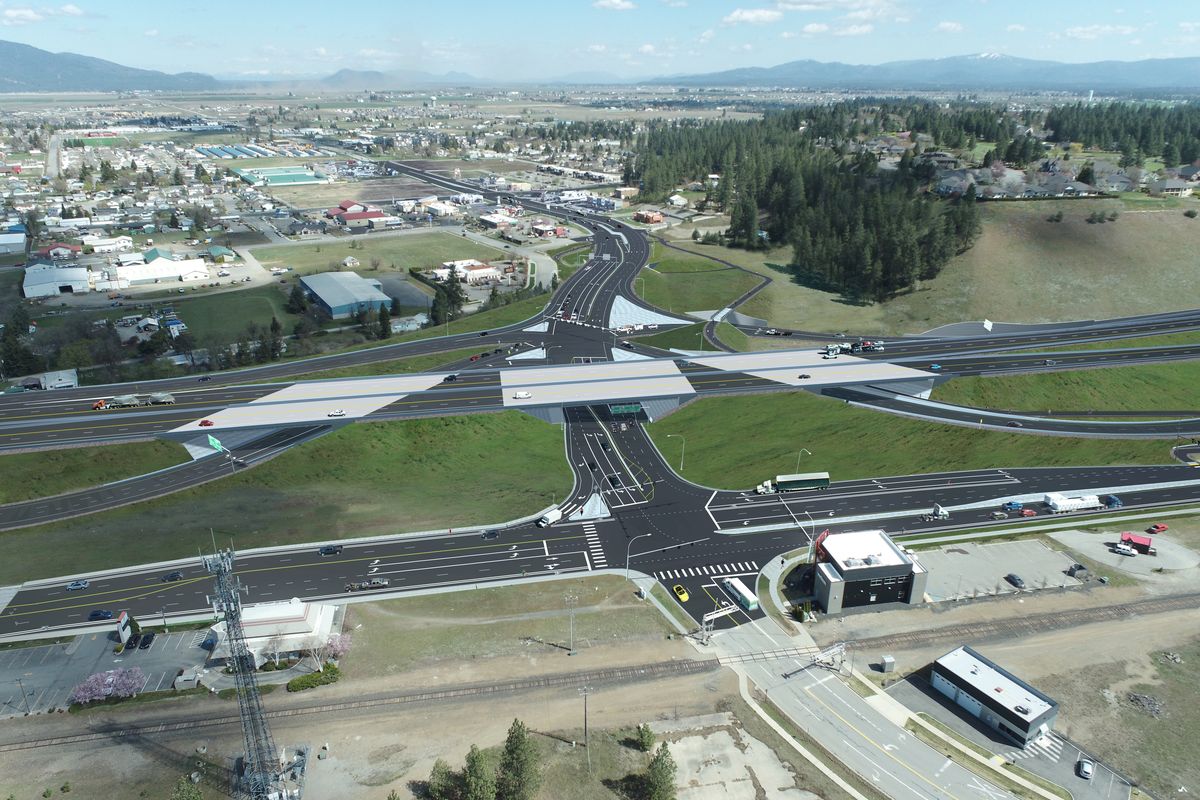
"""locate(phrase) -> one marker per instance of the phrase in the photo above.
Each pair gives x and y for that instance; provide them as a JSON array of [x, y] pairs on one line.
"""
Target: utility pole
[[571, 601], [25, 697], [585, 691]]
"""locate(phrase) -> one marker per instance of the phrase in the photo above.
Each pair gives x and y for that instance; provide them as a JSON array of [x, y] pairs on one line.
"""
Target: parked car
[[1015, 580], [147, 640], [1123, 549], [133, 641], [75, 586], [1085, 768], [1157, 527], [681, 593]]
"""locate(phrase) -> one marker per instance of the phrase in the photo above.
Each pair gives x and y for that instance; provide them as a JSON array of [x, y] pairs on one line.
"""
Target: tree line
[[784, 181], [1138, 130]]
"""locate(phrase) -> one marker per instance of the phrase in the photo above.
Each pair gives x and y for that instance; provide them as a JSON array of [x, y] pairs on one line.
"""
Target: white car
[[337, 412], [522, 395]]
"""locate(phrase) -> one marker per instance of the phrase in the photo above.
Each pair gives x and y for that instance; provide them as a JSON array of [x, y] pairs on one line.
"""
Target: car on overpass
[[522, 395]]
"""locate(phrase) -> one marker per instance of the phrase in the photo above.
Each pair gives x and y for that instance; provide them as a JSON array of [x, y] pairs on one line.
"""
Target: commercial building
[[283, 629], [12, 242], [50, 280], [272, 177], [342, 294], [998, 698], [648, 217], [864, 568], [107, 244]]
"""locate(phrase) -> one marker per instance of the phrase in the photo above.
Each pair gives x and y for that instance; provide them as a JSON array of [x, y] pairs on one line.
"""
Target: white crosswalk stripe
[[731, 568], [595, 549], [1048, 747]]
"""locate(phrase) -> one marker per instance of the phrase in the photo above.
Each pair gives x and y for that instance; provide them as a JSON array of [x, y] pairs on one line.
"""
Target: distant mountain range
[[28, 69], [982, 71]]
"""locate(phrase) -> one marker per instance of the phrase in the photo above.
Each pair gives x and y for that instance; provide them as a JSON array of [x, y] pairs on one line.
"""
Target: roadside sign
[[627, 408], [215, 443]]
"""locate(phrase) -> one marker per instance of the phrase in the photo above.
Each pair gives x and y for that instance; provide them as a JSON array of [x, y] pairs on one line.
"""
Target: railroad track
[[1029, 625], [107, 730]]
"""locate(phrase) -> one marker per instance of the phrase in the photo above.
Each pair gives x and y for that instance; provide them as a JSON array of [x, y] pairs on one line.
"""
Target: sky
[[531, 40]]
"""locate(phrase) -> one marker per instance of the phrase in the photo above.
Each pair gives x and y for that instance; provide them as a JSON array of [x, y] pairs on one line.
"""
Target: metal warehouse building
[[863, 568], [994, 695], [342, 294]]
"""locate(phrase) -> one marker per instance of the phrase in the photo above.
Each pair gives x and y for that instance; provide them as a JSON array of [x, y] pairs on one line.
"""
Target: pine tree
[[385, 323], [479, 781], [441, 781], [518, 778], [660, 775]]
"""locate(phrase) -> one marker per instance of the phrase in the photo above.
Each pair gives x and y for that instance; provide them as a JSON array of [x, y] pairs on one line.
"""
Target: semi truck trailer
[[1061, 504]]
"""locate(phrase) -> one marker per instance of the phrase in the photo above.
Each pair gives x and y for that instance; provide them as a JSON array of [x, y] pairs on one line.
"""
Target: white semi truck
[[1061, 504], [552, 516]]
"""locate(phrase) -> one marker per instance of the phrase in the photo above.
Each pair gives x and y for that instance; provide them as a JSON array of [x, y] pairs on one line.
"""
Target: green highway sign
[[215, 443], [627, 408]]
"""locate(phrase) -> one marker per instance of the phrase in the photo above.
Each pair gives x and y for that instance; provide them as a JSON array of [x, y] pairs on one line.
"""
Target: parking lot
[[1051, 757], [1099, 548], [966, 570], [37, 679]]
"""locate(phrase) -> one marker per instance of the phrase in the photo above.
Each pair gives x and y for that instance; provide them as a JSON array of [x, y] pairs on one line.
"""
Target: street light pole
[[802, 450], [628, 547], [682, 448], [24, 696]]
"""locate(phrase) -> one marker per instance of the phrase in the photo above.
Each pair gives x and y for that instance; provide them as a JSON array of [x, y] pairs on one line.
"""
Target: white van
[[522, 395]]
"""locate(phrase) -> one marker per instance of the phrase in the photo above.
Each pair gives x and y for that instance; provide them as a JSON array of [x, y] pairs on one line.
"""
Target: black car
[[592, 466], [491, 534], [484, 333], [147, 640], [134, 640], [330, 550], [498, 351], [605, 446], [614, 480], [450, 379], [1014, 424], [99, 614], [205, 378], [803, 376], [171, 577], [1015, 580]]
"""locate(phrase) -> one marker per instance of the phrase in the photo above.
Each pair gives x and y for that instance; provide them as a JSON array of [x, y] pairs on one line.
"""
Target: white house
[[108, 244]]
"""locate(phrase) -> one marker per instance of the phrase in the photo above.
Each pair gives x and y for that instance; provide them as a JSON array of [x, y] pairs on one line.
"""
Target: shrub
[[1190, 213], [328, 675]]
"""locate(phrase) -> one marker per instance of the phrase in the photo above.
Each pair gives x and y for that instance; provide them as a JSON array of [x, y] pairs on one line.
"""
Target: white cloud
[[19, 16], [151, 33], [948, 27], [707, 36], [1015, 28], [1189, 27], [675, 3], [788, 35], [854, 30], [752, 16], [596, 48], [320, 52], [71, 10], [1096, 31], [854, 9], [647, 50], [815, 27], [614, 5]]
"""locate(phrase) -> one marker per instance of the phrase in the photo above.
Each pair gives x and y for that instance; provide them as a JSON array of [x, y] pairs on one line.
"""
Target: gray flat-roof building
[[342, 294], [998, 698], [863, 568]]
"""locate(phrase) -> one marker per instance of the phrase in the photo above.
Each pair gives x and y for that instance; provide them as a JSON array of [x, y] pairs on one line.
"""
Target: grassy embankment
[[395, 253], [679, 282], [735, 442], [359, 481], [25, 476]]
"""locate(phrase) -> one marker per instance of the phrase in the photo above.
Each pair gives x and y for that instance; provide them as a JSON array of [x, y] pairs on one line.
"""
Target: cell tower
[[261, 776]]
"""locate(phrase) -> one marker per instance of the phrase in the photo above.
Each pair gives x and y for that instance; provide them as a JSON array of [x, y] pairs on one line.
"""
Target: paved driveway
[[977, 570]]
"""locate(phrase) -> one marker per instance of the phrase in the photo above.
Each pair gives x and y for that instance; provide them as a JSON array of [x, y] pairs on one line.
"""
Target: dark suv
[[330, 550]]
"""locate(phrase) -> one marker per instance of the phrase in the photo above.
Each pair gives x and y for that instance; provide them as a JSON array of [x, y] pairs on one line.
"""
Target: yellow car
[[681, 593]]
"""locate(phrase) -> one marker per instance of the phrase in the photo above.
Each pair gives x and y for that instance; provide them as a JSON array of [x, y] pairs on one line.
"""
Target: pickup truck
[[363, 586]]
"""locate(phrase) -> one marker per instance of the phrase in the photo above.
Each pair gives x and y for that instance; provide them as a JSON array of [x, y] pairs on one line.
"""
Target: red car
[[1028, 512], [474, 358], [206, 423], [1157, 527]]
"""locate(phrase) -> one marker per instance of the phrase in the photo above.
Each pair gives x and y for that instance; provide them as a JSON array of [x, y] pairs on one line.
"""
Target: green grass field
[[687, 337], [228, 313], [681, 283], [1161, 340], [395, 253], [1022, 269], [362, 480], [736, 442], [24, 476], [1143, 388]]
